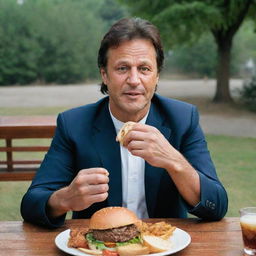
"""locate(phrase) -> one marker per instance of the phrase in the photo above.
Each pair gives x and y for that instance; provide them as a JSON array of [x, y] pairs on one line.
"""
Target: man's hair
[[125, 30]]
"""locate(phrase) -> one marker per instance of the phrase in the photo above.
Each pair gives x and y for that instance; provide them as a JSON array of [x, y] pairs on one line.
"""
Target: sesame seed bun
[[112, 217]]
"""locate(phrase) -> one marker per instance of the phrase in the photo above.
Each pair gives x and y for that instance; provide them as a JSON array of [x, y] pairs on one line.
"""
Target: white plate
[[180, 239]]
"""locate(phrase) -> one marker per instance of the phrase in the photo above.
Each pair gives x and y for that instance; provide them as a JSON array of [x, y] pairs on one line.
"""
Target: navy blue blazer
[[85, 138]]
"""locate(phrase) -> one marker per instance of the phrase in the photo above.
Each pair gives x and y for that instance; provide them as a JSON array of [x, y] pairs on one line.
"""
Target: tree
[[52, 41], [18, 50], [111, 11], [186, 20], [197, 59], [68, 33]]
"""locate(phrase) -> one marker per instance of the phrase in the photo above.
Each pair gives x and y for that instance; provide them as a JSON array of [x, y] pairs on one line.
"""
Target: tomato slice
[[109, 253], [110, 244]]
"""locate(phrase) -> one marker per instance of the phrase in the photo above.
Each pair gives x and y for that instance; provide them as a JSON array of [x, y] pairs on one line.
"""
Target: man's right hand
[[88, 187]]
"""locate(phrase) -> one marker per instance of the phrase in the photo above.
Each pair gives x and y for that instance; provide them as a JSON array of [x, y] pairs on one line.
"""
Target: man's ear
[[104, 75], [157, 78]]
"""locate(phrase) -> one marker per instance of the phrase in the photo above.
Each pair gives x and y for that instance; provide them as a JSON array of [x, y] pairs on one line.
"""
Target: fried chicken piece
[[77, 238]]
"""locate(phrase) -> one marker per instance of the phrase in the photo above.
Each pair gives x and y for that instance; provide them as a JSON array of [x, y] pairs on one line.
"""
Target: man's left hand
[[149, 143]]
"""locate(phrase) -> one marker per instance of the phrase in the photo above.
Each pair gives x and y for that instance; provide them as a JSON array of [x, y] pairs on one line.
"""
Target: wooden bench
[[20, 127]]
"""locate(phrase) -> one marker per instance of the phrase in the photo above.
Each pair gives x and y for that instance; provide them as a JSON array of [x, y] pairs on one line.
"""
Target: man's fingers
[[136, 144], [94, 189], [134, 136], [98, 170], [92, 176], [90, 179], [95, 179], [98, 198]]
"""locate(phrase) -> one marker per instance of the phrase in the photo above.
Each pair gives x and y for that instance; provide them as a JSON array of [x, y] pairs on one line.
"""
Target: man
[[163, 169]]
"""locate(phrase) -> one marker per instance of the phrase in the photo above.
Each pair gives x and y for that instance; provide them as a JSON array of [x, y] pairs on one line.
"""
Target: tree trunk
[[222, 93]]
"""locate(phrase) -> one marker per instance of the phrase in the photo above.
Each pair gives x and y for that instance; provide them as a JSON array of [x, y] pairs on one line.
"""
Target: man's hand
[[148, 143], [88, 187]]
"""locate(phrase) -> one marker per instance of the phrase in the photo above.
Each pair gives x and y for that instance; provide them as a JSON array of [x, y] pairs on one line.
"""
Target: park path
[[75, 95]]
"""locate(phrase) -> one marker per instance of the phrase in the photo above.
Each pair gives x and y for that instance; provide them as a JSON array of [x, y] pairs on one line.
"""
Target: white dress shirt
[[133, 170]]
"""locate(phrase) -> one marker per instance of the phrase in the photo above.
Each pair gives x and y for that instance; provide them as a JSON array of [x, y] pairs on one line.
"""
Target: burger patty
[[121, 234]]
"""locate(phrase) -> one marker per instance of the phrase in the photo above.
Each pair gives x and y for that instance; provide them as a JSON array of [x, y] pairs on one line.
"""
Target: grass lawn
[[234, 158], [26, 111]]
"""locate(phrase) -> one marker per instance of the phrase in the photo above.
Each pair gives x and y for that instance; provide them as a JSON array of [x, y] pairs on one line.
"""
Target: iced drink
[[248, 226]]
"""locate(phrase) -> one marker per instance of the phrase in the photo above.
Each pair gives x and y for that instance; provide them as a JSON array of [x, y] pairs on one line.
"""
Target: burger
[[116, 231], [113, 227]]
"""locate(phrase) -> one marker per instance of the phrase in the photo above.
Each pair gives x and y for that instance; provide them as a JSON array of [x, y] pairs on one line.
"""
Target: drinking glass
[[248, 226]]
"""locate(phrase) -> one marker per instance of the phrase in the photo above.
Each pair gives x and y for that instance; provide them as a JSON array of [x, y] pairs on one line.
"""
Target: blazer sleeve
[[56, 171], [213, 199]]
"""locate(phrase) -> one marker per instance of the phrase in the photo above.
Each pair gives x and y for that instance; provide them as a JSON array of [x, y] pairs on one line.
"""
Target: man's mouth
[[133, 93]]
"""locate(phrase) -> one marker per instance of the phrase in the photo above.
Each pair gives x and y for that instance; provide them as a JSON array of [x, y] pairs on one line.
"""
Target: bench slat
[[17, 175], [24, 149], [22, 162]]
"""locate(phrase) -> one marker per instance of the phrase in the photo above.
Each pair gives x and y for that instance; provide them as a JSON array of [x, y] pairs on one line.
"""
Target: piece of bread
[[124, 131], [89, 251], [156, 244], [132, 249]]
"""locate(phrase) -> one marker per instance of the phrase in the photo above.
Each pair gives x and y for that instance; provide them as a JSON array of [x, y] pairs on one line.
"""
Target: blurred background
[[48, 63], [44, 41]]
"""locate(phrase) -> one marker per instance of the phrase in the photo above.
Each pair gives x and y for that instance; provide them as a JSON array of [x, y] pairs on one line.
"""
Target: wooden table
[[208, 238]]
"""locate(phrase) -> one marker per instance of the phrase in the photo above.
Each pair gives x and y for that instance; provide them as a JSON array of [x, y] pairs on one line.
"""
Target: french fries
[[160, 229]]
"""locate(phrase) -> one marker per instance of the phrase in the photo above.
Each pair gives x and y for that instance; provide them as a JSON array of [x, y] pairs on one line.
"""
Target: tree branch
[[240, 17]]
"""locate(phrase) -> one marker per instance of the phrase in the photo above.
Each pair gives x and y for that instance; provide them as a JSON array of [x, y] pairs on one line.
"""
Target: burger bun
[[112, 217], [156, 244], [91, 252], [132, 249]]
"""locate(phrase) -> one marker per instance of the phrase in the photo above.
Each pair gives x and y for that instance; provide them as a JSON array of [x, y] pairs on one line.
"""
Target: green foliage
[[186, 20], [69, 39], [111, 11], [18, 51], [56, 41], [248, 94], [198, 58], [244, 43], [52, 41]]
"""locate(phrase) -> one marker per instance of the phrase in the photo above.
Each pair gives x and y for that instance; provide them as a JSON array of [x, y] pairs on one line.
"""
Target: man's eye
[[144, 69], [122, 68]]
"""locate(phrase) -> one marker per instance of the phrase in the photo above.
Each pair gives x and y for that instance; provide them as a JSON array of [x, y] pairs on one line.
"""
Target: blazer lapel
[[153, 174], [109, 153]]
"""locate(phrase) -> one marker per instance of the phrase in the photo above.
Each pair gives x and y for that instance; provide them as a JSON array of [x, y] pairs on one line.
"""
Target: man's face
[[131, 77]]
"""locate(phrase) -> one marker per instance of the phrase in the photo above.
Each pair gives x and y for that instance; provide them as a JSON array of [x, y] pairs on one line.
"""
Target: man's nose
[[133, 78]]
